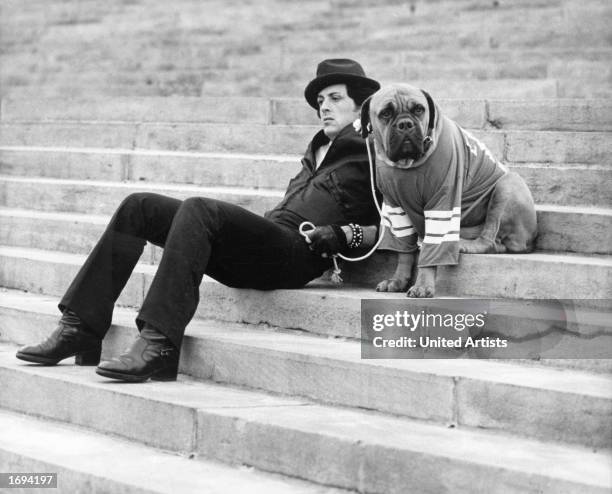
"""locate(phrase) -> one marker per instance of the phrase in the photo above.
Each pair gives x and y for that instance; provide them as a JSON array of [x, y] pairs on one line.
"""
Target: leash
[[307, 226]]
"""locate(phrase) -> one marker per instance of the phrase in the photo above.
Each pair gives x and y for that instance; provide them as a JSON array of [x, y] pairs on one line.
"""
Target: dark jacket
[[336, 192]]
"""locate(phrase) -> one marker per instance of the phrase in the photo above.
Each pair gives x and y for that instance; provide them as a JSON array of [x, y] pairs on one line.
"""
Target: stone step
[[484, 394], [552, 114], [82, 196], [253, 87], [585, 230], [527, 276], [149, 64], [348, 28], [221, 169], [549, 183], [345, 448], [222, 84], [506, 145], [260, 189], [87, 461]]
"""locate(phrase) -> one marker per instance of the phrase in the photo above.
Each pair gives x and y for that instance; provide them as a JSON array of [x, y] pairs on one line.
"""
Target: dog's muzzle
[[405, 140]]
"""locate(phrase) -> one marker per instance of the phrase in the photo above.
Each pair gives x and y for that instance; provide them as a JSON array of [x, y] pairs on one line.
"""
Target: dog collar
[[428, 141]]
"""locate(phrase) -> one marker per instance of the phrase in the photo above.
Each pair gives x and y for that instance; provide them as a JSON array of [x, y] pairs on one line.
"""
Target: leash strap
[[432, 118], [307, 226]]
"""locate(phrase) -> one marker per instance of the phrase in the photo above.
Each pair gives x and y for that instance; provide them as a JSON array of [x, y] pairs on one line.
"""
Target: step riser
[[299, 309], [89, 407], [549, 184], [512, 146], [515, 276], [74, 237], [228, 85], [555, 114], [558, 232], [55, 278], [440, 399], [105, 200], [236, 439], [68, 480], [205, 171], [218, 110], [550, 114], [443, 399], [557, 188], [558, 185]]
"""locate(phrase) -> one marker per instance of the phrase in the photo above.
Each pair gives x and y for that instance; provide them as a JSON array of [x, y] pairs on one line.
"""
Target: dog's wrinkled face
[[399, 117]]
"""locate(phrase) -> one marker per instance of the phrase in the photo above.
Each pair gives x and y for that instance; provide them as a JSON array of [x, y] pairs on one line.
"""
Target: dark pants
[[200, 236]]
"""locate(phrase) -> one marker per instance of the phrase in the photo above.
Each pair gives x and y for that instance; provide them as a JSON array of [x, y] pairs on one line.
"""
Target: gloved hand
[[327, 240]]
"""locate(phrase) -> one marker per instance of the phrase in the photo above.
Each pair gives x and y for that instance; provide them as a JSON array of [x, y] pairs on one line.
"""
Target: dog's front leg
[[402, 276], [425, 284]]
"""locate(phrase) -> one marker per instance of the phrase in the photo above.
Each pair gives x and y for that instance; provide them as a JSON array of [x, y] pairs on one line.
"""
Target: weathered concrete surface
[[77, 164], [556, 184], [206, 169], [106, 464], [517, 276], [523, 114], [558, 147], [592, 228], [139, 109], [509, 145], [517, 399], [52, 272], [551, 114], [81, 196], [276, 434], [564, 229]]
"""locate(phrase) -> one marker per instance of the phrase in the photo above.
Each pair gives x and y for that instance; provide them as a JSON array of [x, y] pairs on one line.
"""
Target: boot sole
[[81, 358], [161, 375], [38, 360]]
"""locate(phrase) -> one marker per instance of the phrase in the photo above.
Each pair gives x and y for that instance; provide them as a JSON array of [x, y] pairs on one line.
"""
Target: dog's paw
[[476, 246], [392, 285], [421, 291]]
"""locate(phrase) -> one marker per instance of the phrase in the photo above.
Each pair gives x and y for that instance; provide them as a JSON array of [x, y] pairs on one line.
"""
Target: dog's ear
[[366, 126]]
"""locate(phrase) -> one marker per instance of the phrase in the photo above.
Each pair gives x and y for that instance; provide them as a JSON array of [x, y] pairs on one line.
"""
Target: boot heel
[[166, 374], [91, 357]]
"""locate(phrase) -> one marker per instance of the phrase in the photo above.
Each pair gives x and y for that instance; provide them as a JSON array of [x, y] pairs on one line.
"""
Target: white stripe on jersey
[[442, 226], [449, 237], [397, 221], [443, 214]]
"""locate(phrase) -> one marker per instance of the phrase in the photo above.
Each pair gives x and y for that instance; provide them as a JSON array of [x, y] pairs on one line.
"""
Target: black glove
[[327, 240]]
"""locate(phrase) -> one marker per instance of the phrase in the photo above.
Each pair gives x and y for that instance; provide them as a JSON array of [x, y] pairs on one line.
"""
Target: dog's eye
[[385, 114], [418, 110]]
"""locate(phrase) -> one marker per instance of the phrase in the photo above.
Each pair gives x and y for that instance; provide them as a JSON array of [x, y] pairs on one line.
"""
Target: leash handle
[[306, 227]]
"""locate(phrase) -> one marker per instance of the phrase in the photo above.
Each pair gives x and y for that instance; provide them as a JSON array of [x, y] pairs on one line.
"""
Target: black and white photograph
[[306, 247]]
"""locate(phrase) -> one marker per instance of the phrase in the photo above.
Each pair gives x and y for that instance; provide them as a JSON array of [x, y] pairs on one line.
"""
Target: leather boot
[[152, 355], [71, 337]]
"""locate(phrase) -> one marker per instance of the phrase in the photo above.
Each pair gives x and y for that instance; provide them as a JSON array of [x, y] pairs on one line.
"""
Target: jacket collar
[[348, 140]]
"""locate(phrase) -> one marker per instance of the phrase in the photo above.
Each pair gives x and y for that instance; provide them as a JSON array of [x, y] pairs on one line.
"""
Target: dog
[[441, 187]]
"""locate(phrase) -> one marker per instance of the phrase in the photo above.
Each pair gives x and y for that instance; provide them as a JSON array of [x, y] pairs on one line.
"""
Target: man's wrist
[[348, 232]]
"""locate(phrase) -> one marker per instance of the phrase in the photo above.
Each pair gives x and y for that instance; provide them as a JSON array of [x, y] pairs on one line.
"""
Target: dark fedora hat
[[337, 71]]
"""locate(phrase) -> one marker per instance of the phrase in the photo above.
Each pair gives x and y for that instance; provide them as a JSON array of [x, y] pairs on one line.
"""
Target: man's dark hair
[[357, 93]]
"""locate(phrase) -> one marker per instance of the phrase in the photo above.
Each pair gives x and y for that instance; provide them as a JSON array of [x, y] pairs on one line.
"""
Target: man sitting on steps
[[232, 245]]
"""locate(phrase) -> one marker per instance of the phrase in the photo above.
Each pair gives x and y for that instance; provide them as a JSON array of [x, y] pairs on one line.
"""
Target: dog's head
[[401, 118]]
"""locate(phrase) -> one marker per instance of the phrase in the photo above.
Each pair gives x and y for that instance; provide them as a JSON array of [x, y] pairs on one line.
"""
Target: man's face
[[336, 109]]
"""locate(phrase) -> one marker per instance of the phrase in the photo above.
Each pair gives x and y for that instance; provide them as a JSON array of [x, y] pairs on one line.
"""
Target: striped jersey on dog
[[430, 199]]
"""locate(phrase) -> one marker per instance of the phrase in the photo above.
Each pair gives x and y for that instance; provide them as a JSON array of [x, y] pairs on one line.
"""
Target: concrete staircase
[[274, 380], [273, 395], [455, 48]]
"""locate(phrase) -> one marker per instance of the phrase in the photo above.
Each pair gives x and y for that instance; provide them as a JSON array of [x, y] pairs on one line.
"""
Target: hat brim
[[314, 87]]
